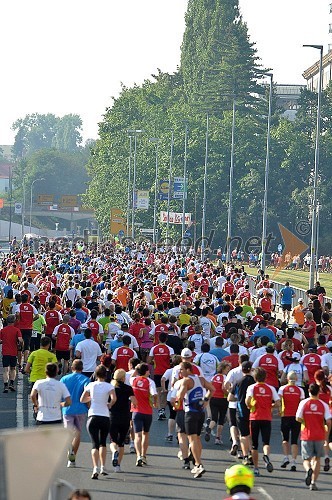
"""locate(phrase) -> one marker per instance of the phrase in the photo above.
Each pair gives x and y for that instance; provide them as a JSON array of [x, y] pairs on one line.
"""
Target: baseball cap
[[300, 300], [249, 315], [295, 325], [186, 353], [296, 355]]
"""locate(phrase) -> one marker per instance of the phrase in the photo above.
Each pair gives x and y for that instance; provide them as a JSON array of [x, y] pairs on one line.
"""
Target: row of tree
[[218, 64]]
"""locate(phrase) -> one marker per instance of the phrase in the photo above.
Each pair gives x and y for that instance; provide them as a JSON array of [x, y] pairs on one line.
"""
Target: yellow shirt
[[38, 360], [184, 319]]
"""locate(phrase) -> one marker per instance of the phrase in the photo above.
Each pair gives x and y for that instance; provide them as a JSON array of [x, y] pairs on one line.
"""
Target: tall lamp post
[[267, 166], [155, 140], [169, 184], [134, 133], [129, 181], [31, 189], [314, 221], [230, 202], [184, 186], [204, 187]]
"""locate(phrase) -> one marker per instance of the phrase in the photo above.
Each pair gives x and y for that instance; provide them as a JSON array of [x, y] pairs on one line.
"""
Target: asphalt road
[[164, 477]]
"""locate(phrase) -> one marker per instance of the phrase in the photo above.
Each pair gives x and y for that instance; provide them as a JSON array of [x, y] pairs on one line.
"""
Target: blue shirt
[[219, 353], [286, 294], [78, 337], [6, 289], [81, 315], [75, 383], [114, 344], [265, 332]]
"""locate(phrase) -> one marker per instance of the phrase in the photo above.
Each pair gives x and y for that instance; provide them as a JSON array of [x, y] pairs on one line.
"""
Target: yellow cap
[[239, 475]]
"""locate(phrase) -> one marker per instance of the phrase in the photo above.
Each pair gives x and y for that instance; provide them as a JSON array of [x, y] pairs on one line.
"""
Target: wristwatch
[[206, 399]]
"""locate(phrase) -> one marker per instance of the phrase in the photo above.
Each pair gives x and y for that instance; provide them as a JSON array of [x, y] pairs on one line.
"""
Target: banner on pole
[[179, 188], [141, 200], [117, 221], [18, 208], [175, 218], [163, 190]]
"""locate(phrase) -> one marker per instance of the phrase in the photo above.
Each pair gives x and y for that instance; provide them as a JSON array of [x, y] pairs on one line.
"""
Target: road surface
[[164, 477]]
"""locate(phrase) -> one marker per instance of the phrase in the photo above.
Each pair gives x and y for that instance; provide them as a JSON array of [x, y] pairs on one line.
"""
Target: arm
[[66, 402], [113, 399], [34, 397], [86, 397]]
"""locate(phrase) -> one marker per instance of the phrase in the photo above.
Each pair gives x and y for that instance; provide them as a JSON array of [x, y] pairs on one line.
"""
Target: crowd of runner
[[108, 335]]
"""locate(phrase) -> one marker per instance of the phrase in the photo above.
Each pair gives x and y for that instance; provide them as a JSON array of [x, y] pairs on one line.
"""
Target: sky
[[70, 56]]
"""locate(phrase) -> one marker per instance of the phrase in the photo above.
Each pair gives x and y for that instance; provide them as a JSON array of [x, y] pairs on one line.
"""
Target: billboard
[[163, 190], [117, 221], [175, 218], [45, 199], [69, 200], [141, 200]]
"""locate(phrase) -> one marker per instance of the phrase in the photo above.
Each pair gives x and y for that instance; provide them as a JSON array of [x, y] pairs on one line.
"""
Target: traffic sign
[[121, 233], [147, 231], [279, 247]]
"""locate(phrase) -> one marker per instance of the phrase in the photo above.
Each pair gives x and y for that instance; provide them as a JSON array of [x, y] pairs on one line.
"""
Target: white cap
[[300, 300], [296, 355], [295, 325], [186, 353]]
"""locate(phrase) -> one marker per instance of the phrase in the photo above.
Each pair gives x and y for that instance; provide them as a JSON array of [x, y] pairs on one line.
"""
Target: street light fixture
[[267, 166], [315, 208], [155, 140], [31, 189], [134, 133]]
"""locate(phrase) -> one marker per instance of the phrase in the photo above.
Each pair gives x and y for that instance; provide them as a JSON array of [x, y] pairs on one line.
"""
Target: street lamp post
[[169, 185], [204, 187], [155, 140], [31, 189], [134, 132], [184, 187], [267, 166], [314, 221], [129, 181], [230, 202]]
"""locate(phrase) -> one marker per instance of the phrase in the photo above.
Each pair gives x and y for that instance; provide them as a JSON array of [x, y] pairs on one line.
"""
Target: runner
[[10, 338]]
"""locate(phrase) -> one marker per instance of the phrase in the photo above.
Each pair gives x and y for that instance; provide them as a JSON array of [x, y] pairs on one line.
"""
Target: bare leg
[[95, 457], [5, 375], [138, 444], [102, 455], [316, 469], [145, 443]]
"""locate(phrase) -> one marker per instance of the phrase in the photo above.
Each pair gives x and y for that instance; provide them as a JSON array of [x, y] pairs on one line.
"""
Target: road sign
[[141, 199], [163, 190], [121, 233], [69, 200], [279, 248], [117, 221], [179, 188], [18, 208], [187, 234], [45, 199], [147, 231]]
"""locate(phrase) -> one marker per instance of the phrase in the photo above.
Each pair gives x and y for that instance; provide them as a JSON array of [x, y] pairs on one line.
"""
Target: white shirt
[[51, 393], [221, 280], [175, 311], [90, 351], [234, 376], [256, 353], [168, 377], [99, 392], [242, 349], [299, 369], [206, 324], [326, 361], [198, 340], [208, 362]]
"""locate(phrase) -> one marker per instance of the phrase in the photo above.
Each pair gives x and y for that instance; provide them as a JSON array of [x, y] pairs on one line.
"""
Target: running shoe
[[256, 472], [139, 462], [239, 455], [234, 449], [169, 439], [308, 477], [160, 415], [217, 441], [103, 472], [186, 464], [251, 462], [207, 436], [326, 461], [269, 466], [11, 387], [194, 469], [94, 475], [5, 390], [293, 467], [199, 472], [132, 448], [71, 456], [163, 414], [144, 460], [208, 422], [284, 463], [245, 461], [115, 458], [313, 487], [117, 469], [71, 464], [180, 457]]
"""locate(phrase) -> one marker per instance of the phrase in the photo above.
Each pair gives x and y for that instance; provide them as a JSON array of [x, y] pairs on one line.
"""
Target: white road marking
[[264, 493], [19, 402]]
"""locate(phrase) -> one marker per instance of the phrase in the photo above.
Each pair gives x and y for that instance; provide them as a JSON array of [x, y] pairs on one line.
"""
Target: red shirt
[[233, 359], [322, 350], [63, 337], [27, 312], [26, 292], [310, 334], [284, 355], [266, 305], [291, 396], [135, 328], [263, 395], [162, 358], [43, 296], [270, 364], [158, 329], [314, 413], [9, 336], [122, 355], [94, 327], [52, 319], [228, 288], [312, 363], [218, 383], [142, 391]]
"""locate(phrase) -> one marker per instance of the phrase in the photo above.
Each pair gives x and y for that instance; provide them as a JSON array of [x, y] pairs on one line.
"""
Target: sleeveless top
[[193, 400]]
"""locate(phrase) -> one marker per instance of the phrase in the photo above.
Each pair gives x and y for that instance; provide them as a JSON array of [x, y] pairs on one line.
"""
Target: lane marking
[[264, 493], [19, 402]]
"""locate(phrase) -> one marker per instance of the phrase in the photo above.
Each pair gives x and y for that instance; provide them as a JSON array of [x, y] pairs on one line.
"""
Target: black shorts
[[232, 417], [264, 428], [193, 422], [141, 422], [219, 407], [290, 427], [98, 428], [9, 361], [243, 426], [26, 335], [119, 429], [179, 422], [62, 355], [53, 422], [286, 307], [157, 380]]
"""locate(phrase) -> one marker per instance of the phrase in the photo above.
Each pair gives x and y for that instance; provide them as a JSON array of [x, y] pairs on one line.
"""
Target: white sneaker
[[132, 447], [71, 464], [199, 472], [180, 457], [117, 469], [194, 469]]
